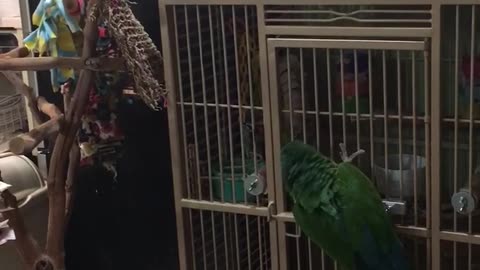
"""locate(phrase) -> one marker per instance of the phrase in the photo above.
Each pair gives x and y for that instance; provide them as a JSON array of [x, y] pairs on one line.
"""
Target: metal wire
[[297, 242], [317, 108], [357, 105], [290, 100], [217, 108], [342, 83], [195, 133], [399, 104], [470, 134], [205, 108], [426, 85], [470, 139], [385, 123], [237, 70], [455, 151], [302, 91], [192, 241], [414, 139], [370, 103], [330, 108]]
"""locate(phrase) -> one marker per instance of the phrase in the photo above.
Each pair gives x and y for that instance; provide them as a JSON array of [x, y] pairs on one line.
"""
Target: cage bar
[[330, 108], [344, 120], [357, 105], [414, 139], [385, 119]]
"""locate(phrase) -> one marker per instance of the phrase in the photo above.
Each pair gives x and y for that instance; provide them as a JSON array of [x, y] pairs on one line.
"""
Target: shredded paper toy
[[6, 233], [53, 37]]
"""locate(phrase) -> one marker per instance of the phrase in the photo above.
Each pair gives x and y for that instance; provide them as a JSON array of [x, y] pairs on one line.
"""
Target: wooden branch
[[19, 52], [25, 143], [53, 112], [46, 63], [48, 108], [26, 91], [63, 144], [67, 98], [73, 164], [25, 243]]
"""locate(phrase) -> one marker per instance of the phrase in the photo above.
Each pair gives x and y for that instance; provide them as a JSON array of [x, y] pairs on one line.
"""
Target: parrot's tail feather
[[372, 257], [398, 258]]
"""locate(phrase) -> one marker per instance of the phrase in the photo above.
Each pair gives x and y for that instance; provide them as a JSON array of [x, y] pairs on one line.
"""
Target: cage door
[[367, 94]]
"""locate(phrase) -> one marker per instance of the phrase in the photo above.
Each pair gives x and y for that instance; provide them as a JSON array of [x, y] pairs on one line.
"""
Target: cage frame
[[433, 36]]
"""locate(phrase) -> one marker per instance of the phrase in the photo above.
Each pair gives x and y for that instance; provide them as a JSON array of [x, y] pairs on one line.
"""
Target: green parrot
[[340, 210]]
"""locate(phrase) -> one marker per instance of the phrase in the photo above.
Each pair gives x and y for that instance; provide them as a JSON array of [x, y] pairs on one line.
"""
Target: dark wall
[[127, 223]]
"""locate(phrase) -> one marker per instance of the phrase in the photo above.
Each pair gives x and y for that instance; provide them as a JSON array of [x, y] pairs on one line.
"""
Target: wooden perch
[[26, 244], [48, 108], [25, 143], [19, 52], [46, 63], [52, 112], [63, 144], [67, 98], [26, 91], [73, 163]]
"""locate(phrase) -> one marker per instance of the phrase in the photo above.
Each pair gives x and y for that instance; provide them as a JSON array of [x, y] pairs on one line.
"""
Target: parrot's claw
[[345, 157]]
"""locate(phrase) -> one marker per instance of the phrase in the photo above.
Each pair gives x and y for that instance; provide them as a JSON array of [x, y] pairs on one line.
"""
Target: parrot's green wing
[[359, 229], [338, 207], [325, 232], [362, 207]]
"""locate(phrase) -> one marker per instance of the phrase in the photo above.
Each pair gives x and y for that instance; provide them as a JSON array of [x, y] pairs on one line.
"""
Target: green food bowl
[[229, 189], [233, 188]]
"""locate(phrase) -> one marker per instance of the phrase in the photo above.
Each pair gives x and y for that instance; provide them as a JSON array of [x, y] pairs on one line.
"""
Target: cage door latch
[[395, 208], [464, 202], [271, 210]]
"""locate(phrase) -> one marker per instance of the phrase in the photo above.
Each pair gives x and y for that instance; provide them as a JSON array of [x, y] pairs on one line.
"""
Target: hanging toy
[[53, 37]]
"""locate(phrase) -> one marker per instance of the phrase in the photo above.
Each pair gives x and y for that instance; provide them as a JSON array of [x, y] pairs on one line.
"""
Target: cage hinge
[[271, 210]]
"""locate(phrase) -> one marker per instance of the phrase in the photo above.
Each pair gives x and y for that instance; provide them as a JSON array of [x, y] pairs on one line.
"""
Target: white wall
[[9, 17], [10, 13]]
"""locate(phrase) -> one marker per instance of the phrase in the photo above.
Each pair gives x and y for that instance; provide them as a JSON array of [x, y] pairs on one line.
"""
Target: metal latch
[[271, 210], [395, 208], [464, 202], [256, 184]]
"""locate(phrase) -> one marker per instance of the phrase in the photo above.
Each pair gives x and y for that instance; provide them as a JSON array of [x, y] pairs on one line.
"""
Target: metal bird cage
[[399, 79]]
